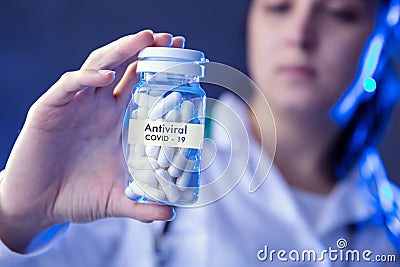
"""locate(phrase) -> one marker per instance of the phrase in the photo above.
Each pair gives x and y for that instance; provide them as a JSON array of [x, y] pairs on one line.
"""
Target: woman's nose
[[302, 31]]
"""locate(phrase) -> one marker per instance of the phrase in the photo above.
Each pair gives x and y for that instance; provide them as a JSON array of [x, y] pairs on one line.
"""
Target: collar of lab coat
[[344, 205]]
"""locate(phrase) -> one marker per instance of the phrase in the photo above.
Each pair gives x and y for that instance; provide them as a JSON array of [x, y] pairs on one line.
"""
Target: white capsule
[[154, 163], [187, 108], [164, 105], [174, 171], [131, 150], [173, 116], [190, 165], [152, 151], [136, 150], [142, 163], [157, 93], [165, 156], [143, 112], [129, 192], [140, 113], [184, 180], [144, 100], [145, 177], [188, 196], [178, 163], [166, 183], [134, 114], [134, 190]]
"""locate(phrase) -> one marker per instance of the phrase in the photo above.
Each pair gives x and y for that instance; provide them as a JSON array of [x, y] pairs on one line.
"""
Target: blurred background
[[42, 39]]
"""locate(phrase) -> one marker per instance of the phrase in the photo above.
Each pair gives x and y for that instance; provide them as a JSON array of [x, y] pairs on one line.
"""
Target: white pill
[[165, 156], [130, 193], [157, 93], [184, 180], [178, 163], [131, 150], [142, 163], [166, 183], [152, 151], [145, 177], [134, 114], [154, 163], [191, 164], [144, 100], [187, 108], [164, 105], [180, 160], [144, 190], [140, 113], [136, 150], [188, 196], [174, 171], [173, 116]]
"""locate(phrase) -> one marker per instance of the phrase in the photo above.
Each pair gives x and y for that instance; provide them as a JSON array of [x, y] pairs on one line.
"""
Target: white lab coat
[[231, 231]]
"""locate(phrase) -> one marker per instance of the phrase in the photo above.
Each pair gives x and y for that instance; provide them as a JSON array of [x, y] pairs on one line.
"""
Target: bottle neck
[[168, 78]]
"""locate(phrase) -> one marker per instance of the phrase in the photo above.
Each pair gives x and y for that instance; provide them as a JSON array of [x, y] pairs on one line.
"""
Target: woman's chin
[[301, 109]]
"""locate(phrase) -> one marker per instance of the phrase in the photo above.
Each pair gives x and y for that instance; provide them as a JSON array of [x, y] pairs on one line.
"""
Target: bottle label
[[163, 133]]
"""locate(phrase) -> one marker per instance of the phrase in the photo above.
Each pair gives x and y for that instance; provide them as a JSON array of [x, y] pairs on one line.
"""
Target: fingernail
[[148, 30], [171, 38], [106, 72], [183, 40], [173, 215]]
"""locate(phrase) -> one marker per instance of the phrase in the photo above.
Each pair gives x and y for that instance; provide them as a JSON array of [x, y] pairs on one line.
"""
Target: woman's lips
[[298, 71]]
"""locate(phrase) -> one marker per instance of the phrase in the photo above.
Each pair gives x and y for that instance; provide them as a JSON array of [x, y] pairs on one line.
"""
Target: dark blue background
[[41, 39]]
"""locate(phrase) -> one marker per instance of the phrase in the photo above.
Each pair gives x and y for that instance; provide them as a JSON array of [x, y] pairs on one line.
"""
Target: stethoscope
[[375, 184]]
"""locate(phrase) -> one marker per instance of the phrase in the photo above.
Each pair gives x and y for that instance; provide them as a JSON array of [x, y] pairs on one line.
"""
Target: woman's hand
[[67, 163]]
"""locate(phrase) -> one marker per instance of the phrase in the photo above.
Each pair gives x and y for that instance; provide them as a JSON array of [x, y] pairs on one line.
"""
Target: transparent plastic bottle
[[163, 127]]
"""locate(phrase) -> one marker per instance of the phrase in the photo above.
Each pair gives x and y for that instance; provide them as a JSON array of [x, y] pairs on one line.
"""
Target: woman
[[303, 55]]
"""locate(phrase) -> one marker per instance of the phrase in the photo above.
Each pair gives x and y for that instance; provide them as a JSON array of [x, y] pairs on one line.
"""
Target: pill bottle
[[163, 127]]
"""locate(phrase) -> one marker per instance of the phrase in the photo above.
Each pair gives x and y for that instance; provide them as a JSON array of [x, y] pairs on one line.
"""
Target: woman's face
[[304, 54]]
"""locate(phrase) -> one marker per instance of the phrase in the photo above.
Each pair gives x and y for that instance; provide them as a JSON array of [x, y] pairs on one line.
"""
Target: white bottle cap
[[171, 60]]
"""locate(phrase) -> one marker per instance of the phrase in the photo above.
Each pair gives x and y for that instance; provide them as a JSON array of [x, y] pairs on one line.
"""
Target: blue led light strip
[[375, 82], [379, 49], [384, 195]]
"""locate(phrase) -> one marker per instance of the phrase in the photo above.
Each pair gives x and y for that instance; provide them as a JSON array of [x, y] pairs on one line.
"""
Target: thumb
[[121, 206]]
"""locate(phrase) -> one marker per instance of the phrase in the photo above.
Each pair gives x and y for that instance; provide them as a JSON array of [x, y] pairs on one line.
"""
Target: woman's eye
[[278, 8], [343, 15]]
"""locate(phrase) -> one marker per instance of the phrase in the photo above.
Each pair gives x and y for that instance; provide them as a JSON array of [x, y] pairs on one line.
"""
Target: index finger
[[117, 52]]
